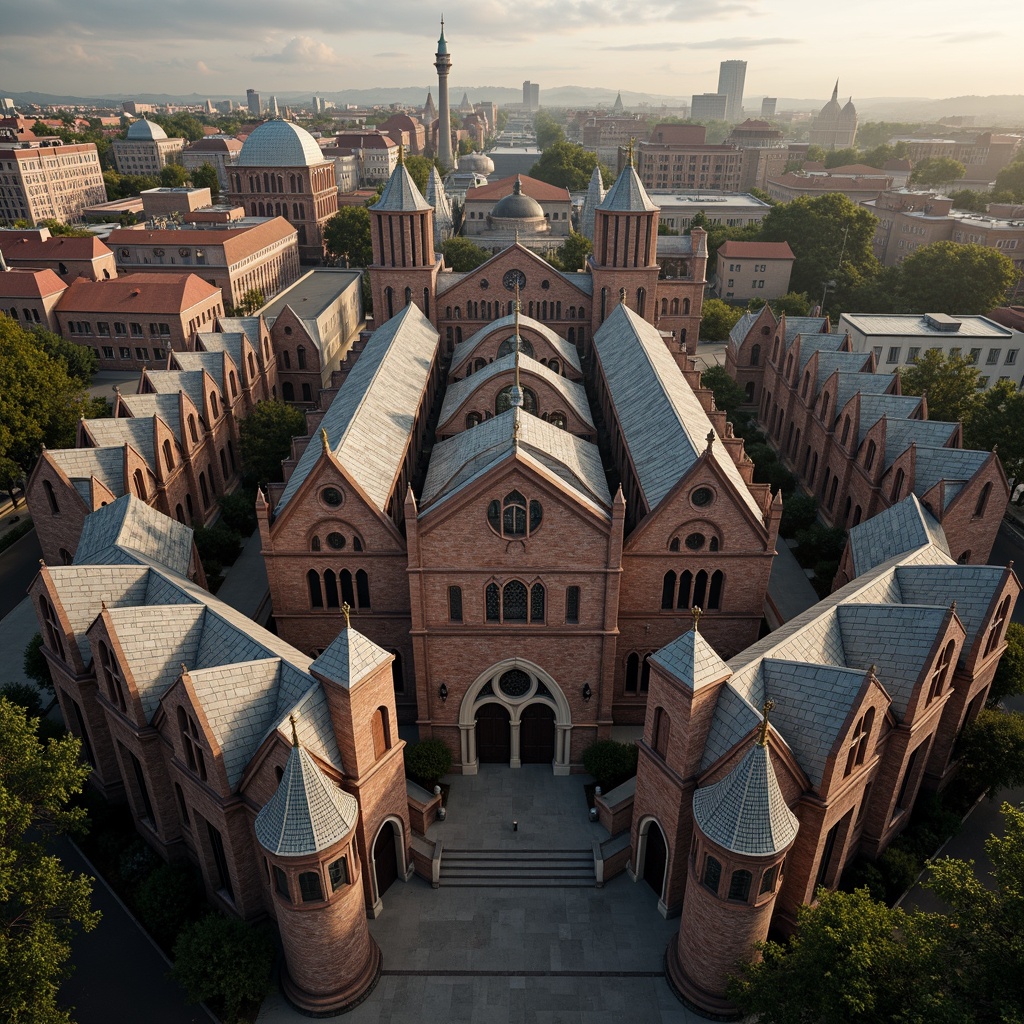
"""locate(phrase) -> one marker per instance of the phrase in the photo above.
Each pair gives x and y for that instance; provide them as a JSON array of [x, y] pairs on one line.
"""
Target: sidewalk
[[245, 585]]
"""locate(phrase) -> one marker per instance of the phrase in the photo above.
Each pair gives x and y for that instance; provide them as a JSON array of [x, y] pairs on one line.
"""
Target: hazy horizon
[[667, 48]]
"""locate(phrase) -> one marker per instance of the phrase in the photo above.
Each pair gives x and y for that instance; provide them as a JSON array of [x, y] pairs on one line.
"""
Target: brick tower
[[743, 829], [404, 266], [307, 831]]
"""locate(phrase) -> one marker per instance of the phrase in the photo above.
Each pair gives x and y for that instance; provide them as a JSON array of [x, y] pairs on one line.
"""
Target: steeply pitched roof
[[141, 294], [805, 325], [628, 195], [954, 465], [349, 658], [896, 530], [901, 433], [692, 660], [369, 423], [664, 425], [465, 348], [400, 194], [79, 464], [106, 433]]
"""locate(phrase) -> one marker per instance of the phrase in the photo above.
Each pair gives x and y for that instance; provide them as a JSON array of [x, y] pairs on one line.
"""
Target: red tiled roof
[[237, 242], [756, 250], [17, 246], [141, 294], [532, 187], [30, 284]]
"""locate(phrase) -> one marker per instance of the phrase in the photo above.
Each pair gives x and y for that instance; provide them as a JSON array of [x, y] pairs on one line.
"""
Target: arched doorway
[[385, 857], [655, 858], [537, 734], [493, 734]]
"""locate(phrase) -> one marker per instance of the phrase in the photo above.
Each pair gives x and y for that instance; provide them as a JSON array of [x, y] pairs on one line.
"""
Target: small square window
[[894, 354], [1011, 357], [993, 356], [142, 353], [108, 351], [975, 355]]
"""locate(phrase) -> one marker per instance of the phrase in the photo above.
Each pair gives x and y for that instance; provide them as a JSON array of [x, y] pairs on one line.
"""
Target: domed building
[[146, 149], [835, 127], [282, 172], [521, 209]]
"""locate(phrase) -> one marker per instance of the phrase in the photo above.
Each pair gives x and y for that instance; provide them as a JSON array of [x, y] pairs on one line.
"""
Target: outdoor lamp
[[587, 691], [442, 692]]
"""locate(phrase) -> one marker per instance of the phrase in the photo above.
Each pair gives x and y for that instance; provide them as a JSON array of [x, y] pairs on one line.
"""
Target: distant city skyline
[[669, 49]]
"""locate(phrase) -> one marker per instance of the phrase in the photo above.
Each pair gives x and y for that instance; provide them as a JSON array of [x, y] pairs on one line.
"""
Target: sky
[[794, 48]]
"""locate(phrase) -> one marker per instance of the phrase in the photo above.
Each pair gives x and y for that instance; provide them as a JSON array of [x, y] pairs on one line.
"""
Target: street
[[18, 567]]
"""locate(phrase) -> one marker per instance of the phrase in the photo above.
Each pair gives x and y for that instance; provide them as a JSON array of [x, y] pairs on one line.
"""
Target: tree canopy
[[997, 421], [41, 903], [729, 396], [206, 177], [953, 277], [717, 319], [1010, 180], [347, 237], [123, 186], [568, 165], [572, 254], [1009, 678], [951, 383], [173, 176], [992, 750], [548, 130], [463, 255], [265, 438], [419, 170], [936, 172]]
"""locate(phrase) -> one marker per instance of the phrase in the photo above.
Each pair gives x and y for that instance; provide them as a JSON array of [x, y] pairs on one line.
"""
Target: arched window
[[300, 354], [179, 514], [316, 594], [824, 407], [856, 516], [252, 366], [749, 391], [996, 629], [363, 588], [664, 307], [493, 602], [686, 307], [712, 875], [632, 672], [700, 588], [572, 604], [112, 677], [188, 505], [859, 741], [51, 498], [331, 589], [503, 400], [715, 591], [307, 393], [233, 383], [214, 406], [941, 671], [846, 430], [348, 594], [195, 755], [675, 307], [685, 586], [139, 483], [739, 886], [537, 602], [645, 674], [641, 301], [659, 737], [205, 492], [513, 601], [668, 587], [380, 728], [673, 544], [508, 346], [979, 508], [310, 887], [897, 486], [168, 455], [286, 358], [869, 457], [389, 298], [224, 465], [193, 433], [755, 355], [455, 604]]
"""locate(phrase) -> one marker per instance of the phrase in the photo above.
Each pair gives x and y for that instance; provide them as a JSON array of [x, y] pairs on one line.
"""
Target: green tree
[[992, 750], [81, 360], [1009, 678], [842, 157], [951, 384], [548, 130], [568, 165], [59, 228], [831, 239], [966, 199], [206, 177], [419, 170], [717, 319], [123, 186], [41, 903], [173, 176], [572, 254], [251, 301], [936, 172], [463, 255], [347, 237], [792, 304], [996, 419], [1011, 181], [265, 438], [951, 277], [729, 396], [815, 154], [853, 961]]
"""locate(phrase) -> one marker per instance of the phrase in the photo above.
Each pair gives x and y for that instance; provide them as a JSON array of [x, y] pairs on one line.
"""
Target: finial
[[873, 670], [629, 151], [346, 610], [517, 236], [401, 152], [766, 709], [42, 564], [295, 731], [184, 669], [622, 295], [710, 439], [324, 441], [952, 607], [696, 611]]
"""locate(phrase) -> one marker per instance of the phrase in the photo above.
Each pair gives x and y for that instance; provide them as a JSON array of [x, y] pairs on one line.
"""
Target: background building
[[531, 95], [708, 106], [768, 104], [66, 256], [52, 181], [835, 127], [731, 77], [752, 270], [677, 156], [220, 151], [252, 102], [146, 149]]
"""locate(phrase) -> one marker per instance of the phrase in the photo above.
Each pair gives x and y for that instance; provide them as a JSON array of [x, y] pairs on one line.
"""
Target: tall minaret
[[443, 63]]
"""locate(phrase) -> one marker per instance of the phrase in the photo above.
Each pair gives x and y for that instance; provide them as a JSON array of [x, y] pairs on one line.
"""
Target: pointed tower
[[624, 262], [307, 831], [443, 64], [402, 233], [743, 829], [594, 198], [444, 222], [617, 107], [429, 112]]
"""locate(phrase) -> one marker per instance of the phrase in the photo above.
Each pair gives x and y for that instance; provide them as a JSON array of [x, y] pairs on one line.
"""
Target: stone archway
[[652, 855], [515, 685]]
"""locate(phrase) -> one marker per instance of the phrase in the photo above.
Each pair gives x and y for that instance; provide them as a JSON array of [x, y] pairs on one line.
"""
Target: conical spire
[[628, 194], [400, 194], [442, 45], [835, 92]]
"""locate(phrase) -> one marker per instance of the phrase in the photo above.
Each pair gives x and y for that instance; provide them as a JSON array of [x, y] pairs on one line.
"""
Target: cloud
[[301, 50], [391, 56]]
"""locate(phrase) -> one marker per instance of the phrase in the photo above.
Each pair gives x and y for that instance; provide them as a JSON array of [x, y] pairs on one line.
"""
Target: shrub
[[762, 454], [24, 695], [864, 875], [610, 762], [899, 869], [820, 543], [167, 899], [224, 960], [238, 512], [136, 861], [427, 761], [799, 512], [778, 478], [218, 543]]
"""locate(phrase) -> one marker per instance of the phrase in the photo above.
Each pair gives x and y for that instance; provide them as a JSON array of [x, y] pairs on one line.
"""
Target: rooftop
[[923, 325], [138, 293]]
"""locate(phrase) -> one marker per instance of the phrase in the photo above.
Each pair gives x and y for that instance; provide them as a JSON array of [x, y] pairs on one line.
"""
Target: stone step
[[517, 868]]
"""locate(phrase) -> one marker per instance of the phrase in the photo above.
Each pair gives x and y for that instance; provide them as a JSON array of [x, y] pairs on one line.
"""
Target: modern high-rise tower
[[443, 63], [731, 76], [252, 101], [531, 96]]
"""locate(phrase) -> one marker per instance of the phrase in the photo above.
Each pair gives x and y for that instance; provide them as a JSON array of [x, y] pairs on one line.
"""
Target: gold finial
[[766, 709], [401, 152], [632, 142], [295, 731], [324, 441], [346, 610], [696, 611], [184, 669]]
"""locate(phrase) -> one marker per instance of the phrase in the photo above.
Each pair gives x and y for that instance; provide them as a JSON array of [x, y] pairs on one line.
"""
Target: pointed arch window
[[941, 672], [316, 594], [995, 630], [195, 755], [51, 498], [668, 589], [632, 673], [537, 601]]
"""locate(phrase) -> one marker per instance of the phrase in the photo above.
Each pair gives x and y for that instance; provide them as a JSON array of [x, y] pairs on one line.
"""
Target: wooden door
[[537, 735], [385, 858], [493, 734]]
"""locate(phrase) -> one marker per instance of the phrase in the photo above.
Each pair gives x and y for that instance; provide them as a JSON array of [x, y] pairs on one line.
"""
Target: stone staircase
[[518, 869]]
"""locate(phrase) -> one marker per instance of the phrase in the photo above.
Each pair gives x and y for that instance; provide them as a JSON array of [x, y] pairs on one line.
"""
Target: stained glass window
[[493, 602], [536, 515], [515, 601], [537, 602]]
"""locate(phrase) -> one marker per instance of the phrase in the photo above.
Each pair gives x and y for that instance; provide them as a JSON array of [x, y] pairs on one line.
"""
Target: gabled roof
[[170, 382], [850, 383], [954, 465], [756, 250], [307, 813], [79, 464], [575, 395], [805, 325], [140, 294], [664, 426], [532, 187], [166, 407], [400, 194], [370, 421], [349, 658], [742, 327], [628, 195], [692, 660], [813, 342], [459, 460], [898, 529], [874, 407], [465, 348], [30, 284], [901, 433], [139, 433], [746, 812], [58, 247]]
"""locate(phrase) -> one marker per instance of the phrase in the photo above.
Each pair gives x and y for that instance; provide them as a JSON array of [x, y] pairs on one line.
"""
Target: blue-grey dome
[[145, 131], [280, 144]]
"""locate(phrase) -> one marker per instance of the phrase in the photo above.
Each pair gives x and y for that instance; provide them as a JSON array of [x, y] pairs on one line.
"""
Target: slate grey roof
[[369, 422], [464, 457], [896, 530], [594, 196], [874, 407], [170, 382], [733, 719], [805, 325], [745, 812], [130, 523], [167, 407], [400, 194], [223, 341], [307, 813], [574, 395], [628, 194], [742, 327], [211, 362], [349, 658], [466, 348], [692, 660], [663, 424], [247, 325], [811, 343], [139, 433], [584, 281], [954, 465], [900, 433], [850, 383], [79, 464]]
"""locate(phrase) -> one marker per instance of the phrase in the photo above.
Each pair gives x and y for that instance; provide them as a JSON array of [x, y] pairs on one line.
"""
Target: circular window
[[484, 283], [545, 284], [287, 330], [336, 541], [331, 496], [512, 278], [702, 497], [694, 542], [514, 683]]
